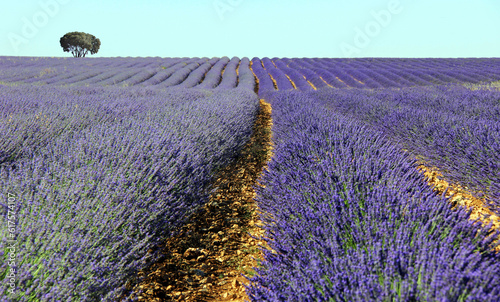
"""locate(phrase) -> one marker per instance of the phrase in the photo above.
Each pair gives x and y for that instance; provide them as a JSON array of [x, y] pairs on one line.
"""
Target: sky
[[255, 28]]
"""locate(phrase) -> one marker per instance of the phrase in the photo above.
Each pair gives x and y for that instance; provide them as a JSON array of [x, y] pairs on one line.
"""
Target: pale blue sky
[[256, 28]]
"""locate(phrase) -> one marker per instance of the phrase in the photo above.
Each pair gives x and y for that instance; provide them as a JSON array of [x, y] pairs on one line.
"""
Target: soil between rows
[[220, 243], [460, 196]]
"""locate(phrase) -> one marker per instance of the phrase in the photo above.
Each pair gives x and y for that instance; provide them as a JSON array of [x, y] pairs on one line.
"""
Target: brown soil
[[238, 74], [357, 80], [256, 89], [274, 82], [293, 84], [461, 196], [312, 85], [205, 262], [325, 82], [341, 81]]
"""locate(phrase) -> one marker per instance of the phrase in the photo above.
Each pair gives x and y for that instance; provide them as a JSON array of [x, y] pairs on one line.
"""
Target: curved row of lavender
[[262, 77], [451, 127], [351, 219], [281, 79], [246, 78], [302, 74], [51, 70], [229, 74], [200, 73], [372, 73], [101, 174]]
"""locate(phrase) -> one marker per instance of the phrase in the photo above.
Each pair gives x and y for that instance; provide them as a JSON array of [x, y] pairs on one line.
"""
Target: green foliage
[[79, 43]]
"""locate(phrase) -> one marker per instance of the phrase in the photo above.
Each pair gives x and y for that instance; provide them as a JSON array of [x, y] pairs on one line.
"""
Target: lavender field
[[102, 158]]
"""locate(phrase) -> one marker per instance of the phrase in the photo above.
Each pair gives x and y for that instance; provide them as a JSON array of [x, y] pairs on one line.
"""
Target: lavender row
[[214, 75], [107, 71], [451, 127], [282, 81], [338, 73], [313, 78], [195, 77], [229, 76], [120, 77], [27, 69], [164, 74], [181, 74], [185, 72], [264, 80], [140, 77], [377, 73], [351, 219], [246, 78], [100, 175], [298, 79]]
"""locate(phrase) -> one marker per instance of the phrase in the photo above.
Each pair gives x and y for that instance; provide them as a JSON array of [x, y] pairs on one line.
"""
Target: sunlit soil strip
[[256, 89], [205, 261], [341, 81], [326, 82], [309, 82], [460, 197], [293, 84], [312, 85], [248, 256], [357, 80], [238, 74], [274, 82]]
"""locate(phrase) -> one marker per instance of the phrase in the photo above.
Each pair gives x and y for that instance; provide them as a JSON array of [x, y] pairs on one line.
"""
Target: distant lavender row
[[214, 75], [351, 219], [373, 73], [265, 83], [302, 74], [453, 128], [298, 79], [229, 77], [38, 69], [282, 81], [246, 78], [101, 174], [200, 73]]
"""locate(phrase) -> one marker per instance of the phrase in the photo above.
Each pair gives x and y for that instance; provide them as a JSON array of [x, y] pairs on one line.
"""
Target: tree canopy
[[79, 44]]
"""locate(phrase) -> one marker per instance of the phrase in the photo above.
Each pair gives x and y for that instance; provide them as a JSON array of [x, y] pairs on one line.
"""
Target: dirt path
[[461, 196], [205, 262]]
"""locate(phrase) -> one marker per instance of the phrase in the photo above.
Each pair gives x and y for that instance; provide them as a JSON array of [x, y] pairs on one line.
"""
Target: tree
[[80, 43]]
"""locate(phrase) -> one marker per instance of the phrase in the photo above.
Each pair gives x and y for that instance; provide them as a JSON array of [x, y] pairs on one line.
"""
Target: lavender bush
[[351, 219], [279, 76], [298, 79], [102, 174], [453, 128], [264, 80], [197, 76], [246, 78], [214, 75], [229, 75]]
